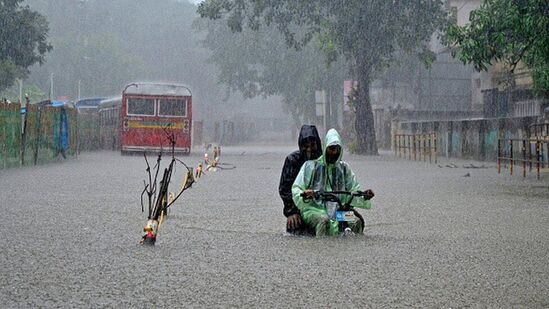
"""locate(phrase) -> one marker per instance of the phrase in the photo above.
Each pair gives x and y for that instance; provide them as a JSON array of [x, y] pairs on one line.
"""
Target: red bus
[[152, 112]]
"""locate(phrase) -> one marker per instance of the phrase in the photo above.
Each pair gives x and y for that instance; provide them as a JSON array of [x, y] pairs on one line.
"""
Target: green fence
[[43, 140]]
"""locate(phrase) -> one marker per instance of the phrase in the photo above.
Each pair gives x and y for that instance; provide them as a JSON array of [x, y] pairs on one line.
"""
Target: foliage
[[366, 33], [508, 31], [23, 41], [106, 44], [258, 63], [12, 93]]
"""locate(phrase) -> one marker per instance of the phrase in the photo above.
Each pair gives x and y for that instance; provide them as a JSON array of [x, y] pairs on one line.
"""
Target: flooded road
[[434, 238]]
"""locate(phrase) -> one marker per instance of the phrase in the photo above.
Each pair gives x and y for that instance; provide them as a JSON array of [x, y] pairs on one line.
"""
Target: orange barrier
[[528, 153], [416, 146]]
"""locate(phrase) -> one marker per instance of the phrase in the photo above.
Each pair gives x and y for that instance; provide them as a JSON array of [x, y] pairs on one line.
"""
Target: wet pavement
[[434, 238]]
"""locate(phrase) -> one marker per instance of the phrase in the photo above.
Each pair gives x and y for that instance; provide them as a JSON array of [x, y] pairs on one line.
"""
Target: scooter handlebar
[[367, 195], [316, 195]]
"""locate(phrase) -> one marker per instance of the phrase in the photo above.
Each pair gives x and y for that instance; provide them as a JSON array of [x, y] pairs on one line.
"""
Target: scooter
[[341, 212]]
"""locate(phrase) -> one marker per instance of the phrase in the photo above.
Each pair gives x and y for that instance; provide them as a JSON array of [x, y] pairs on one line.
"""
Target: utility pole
[[79, 89], [327, 110], [320, 101], [20, 81], [51, 86], [339, 112]]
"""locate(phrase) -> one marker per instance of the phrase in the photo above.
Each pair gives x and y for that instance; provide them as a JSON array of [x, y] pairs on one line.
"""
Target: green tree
[[36, 94], [23, 41], [101, 65], [365, 32], [258, 63], [508, 31], [106, 44]]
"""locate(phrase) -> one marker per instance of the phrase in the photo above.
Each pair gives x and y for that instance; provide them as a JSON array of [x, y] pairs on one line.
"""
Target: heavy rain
[[274, 153]]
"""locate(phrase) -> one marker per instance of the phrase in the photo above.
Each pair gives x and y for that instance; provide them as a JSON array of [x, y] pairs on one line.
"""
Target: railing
[[526, 152], [416, 146]]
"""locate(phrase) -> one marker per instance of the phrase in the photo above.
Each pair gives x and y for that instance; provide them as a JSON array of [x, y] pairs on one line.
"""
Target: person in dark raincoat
[[327, 173], [310, 148]]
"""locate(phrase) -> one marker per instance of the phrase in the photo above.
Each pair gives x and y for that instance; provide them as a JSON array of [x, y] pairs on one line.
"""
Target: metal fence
[[530, 154], [416, 146]]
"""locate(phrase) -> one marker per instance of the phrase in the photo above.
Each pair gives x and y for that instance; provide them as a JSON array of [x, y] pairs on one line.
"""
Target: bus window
[[141, 107], [177, 108]]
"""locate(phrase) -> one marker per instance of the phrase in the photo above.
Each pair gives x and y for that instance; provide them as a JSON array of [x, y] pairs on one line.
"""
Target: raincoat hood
[[332, 138], [309, 131]]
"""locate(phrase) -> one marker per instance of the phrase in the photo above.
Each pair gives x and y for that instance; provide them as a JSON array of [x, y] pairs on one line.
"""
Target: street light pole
[[20, 81], [51, 86]]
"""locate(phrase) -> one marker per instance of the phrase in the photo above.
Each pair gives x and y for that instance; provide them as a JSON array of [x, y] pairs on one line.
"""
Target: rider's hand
[[293, 222], [309, 193], [368, 194]]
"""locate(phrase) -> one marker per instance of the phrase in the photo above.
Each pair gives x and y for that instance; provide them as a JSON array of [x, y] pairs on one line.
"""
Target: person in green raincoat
[[327, 173]]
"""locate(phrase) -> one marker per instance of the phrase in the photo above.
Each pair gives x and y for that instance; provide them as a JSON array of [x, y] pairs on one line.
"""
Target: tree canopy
[[23, 41], [508, 31], [366, 32], [106, 44], [258, 63]]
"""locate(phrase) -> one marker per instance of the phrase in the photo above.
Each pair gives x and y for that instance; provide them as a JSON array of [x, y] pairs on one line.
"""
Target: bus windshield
[[141, 107], [176, 108]]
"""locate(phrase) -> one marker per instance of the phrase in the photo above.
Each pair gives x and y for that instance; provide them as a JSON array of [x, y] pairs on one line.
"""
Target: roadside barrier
[[416, 146], [530, 153]]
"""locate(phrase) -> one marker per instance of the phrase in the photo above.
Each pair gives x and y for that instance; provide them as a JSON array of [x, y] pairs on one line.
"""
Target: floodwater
[[434, 238]]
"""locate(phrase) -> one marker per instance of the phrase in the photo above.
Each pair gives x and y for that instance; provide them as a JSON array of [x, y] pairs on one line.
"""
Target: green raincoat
[[319, 175]]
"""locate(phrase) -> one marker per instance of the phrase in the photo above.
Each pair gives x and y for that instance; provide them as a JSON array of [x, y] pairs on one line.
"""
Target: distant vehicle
[[88, 105], [151, 113], [146, 117], [66, 104], [109, 123]]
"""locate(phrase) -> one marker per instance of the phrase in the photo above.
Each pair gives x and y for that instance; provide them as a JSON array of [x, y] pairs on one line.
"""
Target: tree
[[107, 44], [258, 63], [508, 31], [365, 32], [32, 91], [102, 66], [23, 41]]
